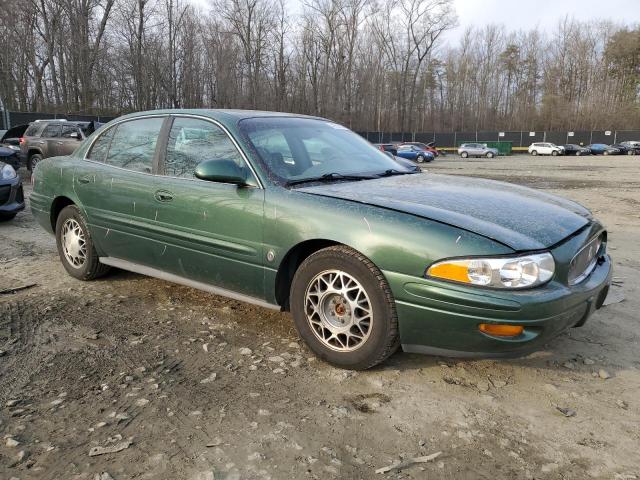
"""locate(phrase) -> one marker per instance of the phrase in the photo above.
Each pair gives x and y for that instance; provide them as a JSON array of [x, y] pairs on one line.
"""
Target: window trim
[[163, 139]]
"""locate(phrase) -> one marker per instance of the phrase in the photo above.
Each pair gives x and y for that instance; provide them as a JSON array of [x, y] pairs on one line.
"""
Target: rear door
[[70, 139], [212, 232], [116, 187]]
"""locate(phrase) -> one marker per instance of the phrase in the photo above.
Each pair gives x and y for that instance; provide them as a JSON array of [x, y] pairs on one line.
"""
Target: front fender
[[395, 241]]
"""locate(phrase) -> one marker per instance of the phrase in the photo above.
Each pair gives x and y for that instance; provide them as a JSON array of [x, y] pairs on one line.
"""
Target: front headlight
[[7, 172], [500, 272]]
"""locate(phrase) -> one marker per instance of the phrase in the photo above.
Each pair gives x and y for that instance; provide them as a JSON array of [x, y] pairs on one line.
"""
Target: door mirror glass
[[221, 170]]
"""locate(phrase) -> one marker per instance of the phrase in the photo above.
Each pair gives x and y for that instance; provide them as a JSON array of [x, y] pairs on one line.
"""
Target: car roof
[[222, 115]]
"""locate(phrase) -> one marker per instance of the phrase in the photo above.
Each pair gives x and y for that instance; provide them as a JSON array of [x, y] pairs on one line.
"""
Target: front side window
[[51, 131], [317, 148], [68, 130], [133, 144], [192, 141]]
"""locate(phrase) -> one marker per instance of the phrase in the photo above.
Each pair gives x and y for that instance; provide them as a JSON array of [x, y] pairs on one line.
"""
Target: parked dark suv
[[52, 138]]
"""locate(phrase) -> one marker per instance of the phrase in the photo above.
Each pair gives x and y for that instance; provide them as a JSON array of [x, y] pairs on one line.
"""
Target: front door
[[49, 139], [212, 232], [116, 187]]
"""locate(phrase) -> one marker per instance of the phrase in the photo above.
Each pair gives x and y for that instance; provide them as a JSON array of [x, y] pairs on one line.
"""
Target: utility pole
[[4, 116]]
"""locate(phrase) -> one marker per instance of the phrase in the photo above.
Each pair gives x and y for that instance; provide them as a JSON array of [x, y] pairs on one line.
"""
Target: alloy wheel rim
[[338, 310], [74, 245]]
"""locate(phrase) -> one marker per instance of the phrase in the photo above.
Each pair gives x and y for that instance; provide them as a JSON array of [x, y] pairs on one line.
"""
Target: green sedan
[[300, 214]]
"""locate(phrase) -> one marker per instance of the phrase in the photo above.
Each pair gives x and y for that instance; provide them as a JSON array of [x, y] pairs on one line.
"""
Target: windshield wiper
[[393, 171], [329, 177]]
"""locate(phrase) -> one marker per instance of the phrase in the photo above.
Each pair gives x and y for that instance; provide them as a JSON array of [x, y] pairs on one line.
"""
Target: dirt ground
[[200, 387]]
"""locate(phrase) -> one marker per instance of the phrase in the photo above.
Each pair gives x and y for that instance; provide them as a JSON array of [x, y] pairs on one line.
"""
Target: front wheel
[[420, 159], [464, 154], [490, 155], [343, 308], [605, 153], [75, 246], [578, 153], [554, 153], [629, 152]]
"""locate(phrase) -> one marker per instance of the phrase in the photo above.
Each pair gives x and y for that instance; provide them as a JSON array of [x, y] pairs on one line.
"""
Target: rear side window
[[133, 144], [192, 141], [32, 130], [100, 147], [51, 131]]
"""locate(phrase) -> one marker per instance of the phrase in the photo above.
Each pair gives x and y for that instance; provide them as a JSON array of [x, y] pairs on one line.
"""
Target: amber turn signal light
[[501, 330]]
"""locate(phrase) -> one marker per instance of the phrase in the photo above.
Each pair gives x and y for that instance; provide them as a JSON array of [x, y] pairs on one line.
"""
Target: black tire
[[464, 154], [578, 153], [382, 338], [5, 217], [91, 268], [490, 155], [554, 153], [33, 161], [420, 159], [534, 152]]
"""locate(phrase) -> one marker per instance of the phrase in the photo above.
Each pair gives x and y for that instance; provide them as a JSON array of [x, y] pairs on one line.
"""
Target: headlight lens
[[7, 172], [502, 272]]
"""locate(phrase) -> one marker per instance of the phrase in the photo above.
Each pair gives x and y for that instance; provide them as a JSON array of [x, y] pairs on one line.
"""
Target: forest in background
[[371, 65]]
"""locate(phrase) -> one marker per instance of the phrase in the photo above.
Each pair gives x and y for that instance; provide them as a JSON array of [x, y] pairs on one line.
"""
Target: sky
[[526, 14], [522, 14]]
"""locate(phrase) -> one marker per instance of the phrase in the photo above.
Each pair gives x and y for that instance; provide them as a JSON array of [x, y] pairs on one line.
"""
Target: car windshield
[[299, 149]]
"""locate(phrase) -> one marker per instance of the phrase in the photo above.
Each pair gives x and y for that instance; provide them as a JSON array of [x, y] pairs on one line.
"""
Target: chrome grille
[[585, 260]]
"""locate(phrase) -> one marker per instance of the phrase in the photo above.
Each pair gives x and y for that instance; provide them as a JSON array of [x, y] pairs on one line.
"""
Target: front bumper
[[11, 196], [443, 319]]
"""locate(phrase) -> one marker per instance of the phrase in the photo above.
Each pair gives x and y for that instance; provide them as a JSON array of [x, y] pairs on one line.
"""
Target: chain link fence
[[519, 140]]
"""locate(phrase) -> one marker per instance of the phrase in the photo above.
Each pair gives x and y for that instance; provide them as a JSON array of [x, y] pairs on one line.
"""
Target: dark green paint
[[221, 234]]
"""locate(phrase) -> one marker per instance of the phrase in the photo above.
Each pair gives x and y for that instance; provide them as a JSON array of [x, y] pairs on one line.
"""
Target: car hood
[[518, 217], [6, 152]]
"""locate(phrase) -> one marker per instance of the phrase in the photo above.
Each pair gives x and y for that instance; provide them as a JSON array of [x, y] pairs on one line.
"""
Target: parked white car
[[545, 148]]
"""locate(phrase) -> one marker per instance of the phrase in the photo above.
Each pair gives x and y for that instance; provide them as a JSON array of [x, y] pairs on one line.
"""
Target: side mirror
[[223, 171], [75, 135]]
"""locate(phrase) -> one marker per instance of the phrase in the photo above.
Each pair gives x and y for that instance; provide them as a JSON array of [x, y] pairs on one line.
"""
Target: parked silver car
[[476, 150]]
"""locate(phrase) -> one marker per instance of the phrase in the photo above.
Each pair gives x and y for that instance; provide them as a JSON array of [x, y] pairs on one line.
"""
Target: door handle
[[84, 179], [60, 143], [163, 196]]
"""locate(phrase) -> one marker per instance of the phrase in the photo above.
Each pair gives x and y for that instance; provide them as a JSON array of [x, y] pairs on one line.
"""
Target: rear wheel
[[534, 152], [343, 308], [33, 161], [629, 152], [578, 153], [490, 155], [75, 246], [420, 159], [606, 152], [464, 154]]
